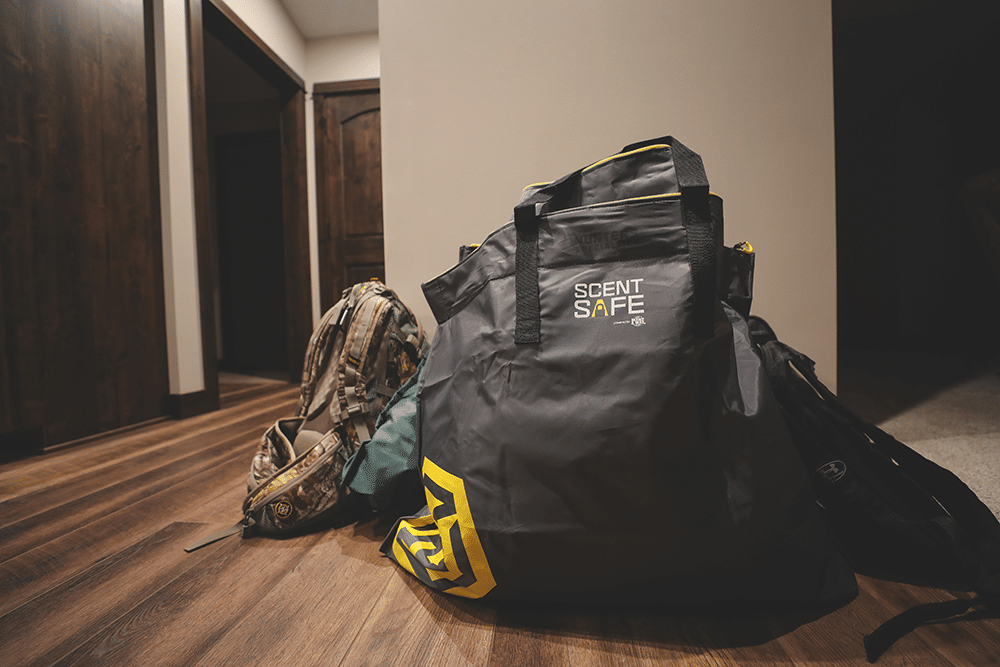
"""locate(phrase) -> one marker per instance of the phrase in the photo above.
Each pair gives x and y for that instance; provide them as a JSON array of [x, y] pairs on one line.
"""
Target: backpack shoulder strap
[[976, 544], [972, 529], [366, 329], [318, 351]]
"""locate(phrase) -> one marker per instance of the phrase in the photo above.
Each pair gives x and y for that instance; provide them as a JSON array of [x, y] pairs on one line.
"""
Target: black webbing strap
[[697, 219], [887, 634], [527, 329], [693, 182], [701, 247], [240, 527]]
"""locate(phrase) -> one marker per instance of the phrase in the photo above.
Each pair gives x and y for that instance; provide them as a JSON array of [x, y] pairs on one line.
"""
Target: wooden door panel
[[362, 152], [349, 190], [84, 344]]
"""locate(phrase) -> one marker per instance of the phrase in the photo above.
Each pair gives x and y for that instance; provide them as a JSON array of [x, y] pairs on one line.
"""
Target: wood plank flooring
[[93, 572]]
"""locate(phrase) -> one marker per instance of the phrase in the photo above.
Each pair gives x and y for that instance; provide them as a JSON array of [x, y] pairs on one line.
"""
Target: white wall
[[478, 103], [270, 21], [180, 265], [343, 58]]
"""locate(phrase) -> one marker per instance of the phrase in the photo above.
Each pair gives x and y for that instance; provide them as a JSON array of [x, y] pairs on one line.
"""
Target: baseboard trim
[[21, 444], [182, 406], [113, 433]]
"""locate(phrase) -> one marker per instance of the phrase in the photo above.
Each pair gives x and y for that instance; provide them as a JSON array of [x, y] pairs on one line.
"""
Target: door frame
[[225, 25]]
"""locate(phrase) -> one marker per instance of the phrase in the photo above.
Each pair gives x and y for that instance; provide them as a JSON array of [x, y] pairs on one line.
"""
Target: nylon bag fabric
[[386, 469], [594, 423]]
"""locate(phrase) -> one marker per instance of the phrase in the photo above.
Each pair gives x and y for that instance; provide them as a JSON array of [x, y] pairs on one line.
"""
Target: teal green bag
[[386, 469]]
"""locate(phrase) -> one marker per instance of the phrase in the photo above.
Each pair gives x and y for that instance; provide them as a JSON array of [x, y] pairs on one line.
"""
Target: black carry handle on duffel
[[704, 240], [896, 514]]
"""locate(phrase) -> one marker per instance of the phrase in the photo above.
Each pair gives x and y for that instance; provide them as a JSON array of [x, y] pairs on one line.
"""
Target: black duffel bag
[[593, 421]]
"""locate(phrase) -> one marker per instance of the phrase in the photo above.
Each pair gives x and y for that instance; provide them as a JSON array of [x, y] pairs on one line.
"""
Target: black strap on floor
[[216, 536], [897, 627]]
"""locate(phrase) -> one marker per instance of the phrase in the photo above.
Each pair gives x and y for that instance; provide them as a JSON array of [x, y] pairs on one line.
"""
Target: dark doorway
[[917, 131], [245, 177], [239, 88], [252, 306], [916, 125]]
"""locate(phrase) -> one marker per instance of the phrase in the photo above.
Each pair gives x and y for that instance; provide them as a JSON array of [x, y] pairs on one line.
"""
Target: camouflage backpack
[[364, 348]]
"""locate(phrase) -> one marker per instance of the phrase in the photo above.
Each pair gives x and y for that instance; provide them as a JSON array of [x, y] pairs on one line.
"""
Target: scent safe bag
[[593, 421], [364, 348]]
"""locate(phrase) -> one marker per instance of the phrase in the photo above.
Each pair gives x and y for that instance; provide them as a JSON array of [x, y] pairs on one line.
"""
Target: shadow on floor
[[881, 384]]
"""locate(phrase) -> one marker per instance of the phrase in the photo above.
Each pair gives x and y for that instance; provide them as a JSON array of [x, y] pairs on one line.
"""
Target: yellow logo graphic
[[283, 509], [600, 306], [442, 547]]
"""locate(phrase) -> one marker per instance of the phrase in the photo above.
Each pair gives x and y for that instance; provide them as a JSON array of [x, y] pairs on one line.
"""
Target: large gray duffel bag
[[594, 423]]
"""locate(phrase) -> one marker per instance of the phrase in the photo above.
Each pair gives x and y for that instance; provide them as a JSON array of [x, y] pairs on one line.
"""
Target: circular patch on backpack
[[282, 509], [830, 472]]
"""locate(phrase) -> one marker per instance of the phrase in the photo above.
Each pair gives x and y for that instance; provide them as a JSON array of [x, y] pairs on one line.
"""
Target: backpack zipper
[[269, 494]]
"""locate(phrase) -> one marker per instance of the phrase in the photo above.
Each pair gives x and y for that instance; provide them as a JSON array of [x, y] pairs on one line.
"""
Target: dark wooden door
[[349, 186], [82, 324]]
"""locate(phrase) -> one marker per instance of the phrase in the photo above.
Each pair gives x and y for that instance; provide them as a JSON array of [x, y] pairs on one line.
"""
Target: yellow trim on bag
[[619, 155], [536, 185], [422, 546], [621, 201], [420, 521], [613, 202], [600, 162], [445, 557], [615, 157]]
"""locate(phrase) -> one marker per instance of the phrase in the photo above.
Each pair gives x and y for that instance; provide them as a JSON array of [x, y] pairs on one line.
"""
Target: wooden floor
[[92, 571]]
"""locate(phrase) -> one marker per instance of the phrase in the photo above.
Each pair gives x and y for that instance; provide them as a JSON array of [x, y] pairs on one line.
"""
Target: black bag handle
[[697, 218]]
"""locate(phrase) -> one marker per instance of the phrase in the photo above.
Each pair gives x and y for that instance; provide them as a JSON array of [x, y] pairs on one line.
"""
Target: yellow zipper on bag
[[620, 155], [617, 201], [600, 162]]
